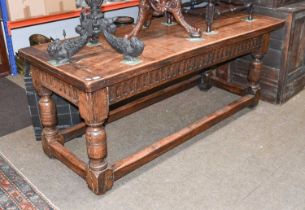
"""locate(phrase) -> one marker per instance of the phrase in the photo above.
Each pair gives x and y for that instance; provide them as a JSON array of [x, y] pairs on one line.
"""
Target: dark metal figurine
[[62, 51], [92, 24], [130, 49]]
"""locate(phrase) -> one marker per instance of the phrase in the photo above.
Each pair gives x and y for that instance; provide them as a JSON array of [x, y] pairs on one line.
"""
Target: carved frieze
[[148, 80], [58, 86]]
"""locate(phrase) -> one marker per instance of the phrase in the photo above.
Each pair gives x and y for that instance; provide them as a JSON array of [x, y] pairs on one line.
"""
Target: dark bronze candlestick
[[250, 8], [210, 15]]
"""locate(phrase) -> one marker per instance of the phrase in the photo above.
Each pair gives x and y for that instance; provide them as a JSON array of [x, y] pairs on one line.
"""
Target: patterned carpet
[[17, 193]]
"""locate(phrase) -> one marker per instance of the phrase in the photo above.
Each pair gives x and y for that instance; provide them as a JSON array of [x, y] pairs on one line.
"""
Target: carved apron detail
[[179, 69]]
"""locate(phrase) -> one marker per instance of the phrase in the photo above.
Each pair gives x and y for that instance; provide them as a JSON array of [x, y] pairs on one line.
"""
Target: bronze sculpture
[[148, 7], [62, 51], [92, 24]]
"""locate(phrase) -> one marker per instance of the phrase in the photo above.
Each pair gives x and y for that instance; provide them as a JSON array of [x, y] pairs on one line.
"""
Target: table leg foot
[[99, 181], [257, 94], [99, 177], [46, 141]]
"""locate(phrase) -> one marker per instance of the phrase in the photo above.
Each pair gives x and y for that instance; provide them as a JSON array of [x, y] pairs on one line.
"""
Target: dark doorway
[[4, 65]]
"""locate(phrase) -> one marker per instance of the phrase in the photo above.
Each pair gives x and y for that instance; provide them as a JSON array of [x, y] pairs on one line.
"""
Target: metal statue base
[[169, 24], [195, 39], [211, 33], [247, 20], [58, 63], [90, 44], [133, 62]]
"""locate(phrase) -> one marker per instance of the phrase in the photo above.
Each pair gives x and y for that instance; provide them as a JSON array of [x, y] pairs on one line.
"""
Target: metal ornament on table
[[92, 24], [169, 20], [212, 11]]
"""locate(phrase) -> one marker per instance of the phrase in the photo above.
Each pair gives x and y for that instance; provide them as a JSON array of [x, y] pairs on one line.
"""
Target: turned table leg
[[254, 76], [94, 109], [48, 120], [256, 68], [48, 116]]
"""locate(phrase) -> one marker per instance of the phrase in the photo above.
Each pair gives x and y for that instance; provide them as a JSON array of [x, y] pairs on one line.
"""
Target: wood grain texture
[[73, 132], [58, 86], [206, 58], [94, 107], [223, 72], [69, 159], [97, 67]]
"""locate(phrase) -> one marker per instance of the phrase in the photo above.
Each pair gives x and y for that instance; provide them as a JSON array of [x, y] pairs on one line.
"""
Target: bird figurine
[[130, 48], [62, 51]]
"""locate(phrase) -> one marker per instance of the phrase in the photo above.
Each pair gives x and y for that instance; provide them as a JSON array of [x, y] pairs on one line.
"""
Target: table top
[[100, 66]]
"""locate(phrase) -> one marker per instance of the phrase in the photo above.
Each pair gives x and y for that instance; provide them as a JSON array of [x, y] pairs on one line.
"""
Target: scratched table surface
[[100, 66]]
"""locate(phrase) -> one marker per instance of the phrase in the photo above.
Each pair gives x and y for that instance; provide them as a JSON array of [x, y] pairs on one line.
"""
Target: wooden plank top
[[100, 66]]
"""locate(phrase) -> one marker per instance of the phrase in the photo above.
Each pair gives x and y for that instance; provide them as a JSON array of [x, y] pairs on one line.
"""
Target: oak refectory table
[[96, 80]]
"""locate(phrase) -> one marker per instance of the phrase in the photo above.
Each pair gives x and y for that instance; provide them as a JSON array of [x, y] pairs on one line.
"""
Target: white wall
[[20, 37]]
